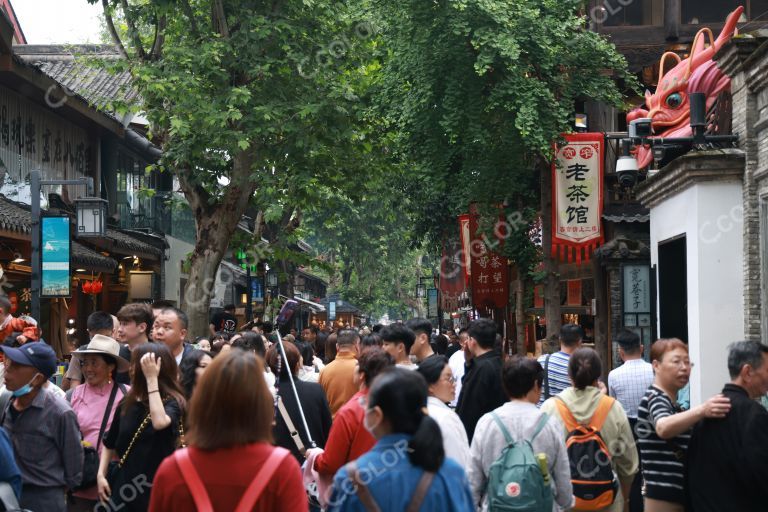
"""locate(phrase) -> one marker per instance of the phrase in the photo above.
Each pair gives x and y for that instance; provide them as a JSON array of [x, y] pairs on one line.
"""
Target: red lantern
[[96, 287], [87, 287]]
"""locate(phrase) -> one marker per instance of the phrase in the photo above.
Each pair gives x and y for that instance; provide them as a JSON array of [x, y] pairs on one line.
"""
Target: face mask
[[368, 427], [25, 389]]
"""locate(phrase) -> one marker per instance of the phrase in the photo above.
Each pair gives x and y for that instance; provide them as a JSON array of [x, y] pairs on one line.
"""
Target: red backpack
[[595, 485]]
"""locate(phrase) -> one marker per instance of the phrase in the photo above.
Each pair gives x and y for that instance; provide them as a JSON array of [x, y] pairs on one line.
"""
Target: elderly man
[[727, 457], [43, 429]]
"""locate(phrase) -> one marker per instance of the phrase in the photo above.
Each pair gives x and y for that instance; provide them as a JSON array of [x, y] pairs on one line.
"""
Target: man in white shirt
[[628, 384], [457, 362], [397, 341]]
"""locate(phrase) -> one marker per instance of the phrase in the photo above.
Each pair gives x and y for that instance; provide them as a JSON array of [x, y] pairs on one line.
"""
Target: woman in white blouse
[[442, 390]]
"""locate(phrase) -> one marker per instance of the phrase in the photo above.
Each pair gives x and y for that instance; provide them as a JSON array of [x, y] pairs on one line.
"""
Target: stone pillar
[[699, 196]]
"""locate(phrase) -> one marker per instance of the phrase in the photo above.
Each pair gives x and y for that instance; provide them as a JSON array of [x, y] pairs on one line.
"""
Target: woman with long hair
[[192, 368], [230, 456], [94, 403], [407, 466], [146, 429]]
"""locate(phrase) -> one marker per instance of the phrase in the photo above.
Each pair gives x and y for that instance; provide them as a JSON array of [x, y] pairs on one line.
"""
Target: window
[[134, 206], [630, 13], [695, 12]]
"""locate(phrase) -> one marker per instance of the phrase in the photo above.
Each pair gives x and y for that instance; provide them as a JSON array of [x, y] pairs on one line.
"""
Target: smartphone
[[286, 312]]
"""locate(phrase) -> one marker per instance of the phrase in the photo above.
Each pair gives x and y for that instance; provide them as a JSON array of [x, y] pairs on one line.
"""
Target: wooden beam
[[672, 19]]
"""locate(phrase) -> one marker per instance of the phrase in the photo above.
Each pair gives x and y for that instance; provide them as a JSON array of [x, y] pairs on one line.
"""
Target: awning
[[314, 306], [239, 275]]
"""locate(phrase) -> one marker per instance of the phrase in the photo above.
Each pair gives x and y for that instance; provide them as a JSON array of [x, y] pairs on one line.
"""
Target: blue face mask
[[25, 389]]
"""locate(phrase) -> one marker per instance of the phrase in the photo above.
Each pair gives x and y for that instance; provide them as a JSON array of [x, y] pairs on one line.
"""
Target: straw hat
[[106, 346]]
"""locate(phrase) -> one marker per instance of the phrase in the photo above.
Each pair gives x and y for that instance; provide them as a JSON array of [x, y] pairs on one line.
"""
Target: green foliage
[[479, 90]]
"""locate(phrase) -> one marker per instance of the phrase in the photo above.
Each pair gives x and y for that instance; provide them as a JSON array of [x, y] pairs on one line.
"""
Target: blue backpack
[[515, 481]]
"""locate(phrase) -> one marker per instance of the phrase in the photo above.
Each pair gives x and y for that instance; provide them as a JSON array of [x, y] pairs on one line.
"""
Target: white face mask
[[368, 427]]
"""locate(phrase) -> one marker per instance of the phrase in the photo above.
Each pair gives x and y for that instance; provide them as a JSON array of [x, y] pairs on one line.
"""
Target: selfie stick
[[286, 312]]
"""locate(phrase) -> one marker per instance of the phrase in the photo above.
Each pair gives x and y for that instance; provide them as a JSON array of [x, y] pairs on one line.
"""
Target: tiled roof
[[626, 213], [98, 86], [127, 243], [16, 217]]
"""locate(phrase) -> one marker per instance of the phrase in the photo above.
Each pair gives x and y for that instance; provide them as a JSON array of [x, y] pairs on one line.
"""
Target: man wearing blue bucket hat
[[43, 429]]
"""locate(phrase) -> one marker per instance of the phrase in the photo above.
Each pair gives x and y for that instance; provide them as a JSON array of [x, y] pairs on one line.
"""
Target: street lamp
[[421, 290], [89, 224], [272, 281], [91, 216]]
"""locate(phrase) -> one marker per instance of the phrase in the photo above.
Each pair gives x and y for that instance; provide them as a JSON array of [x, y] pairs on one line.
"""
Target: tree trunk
[[520, 314], [215, 223], [552, 282]]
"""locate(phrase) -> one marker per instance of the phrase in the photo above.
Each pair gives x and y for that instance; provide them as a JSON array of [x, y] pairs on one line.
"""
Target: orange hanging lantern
[[87, 287]]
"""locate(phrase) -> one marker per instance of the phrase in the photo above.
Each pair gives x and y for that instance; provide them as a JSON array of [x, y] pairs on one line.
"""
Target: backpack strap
[[262, 478], [507, 436], [421, 491], [547, 393], [601, 413], [361, 489], [565, 414], [540, 426], [192, 479]]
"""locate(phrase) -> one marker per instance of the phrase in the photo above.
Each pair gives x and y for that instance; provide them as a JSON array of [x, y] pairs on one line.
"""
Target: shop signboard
[[55, 257], [332, 310], [432, 303]]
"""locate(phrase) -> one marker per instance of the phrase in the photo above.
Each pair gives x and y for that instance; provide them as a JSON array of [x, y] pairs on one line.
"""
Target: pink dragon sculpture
[[669, 107]]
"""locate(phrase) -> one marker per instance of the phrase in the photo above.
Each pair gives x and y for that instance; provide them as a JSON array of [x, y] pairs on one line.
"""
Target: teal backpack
[[515, 482]]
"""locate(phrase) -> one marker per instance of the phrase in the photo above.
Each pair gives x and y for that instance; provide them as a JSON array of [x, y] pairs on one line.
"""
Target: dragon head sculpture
[[669, 108]]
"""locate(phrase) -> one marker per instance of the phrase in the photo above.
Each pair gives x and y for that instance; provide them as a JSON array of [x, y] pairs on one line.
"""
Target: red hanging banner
[[489, 272], [452, 275], [574, 292], [577, 197]]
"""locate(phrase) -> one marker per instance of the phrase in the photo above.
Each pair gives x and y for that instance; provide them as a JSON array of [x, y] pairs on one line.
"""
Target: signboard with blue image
[[257, 290], [54, 257]]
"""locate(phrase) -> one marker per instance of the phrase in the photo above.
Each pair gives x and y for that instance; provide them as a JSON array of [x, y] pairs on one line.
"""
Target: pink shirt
[[89, 404]]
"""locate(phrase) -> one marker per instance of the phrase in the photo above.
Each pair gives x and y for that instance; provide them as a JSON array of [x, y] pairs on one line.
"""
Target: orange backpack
[[595, 485]]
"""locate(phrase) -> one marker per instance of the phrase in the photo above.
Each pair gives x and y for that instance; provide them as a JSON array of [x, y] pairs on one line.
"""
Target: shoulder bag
[[252, 493], [91, 453]]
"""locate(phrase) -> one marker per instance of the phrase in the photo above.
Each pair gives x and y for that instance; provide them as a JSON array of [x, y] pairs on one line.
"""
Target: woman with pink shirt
[[95, 402]]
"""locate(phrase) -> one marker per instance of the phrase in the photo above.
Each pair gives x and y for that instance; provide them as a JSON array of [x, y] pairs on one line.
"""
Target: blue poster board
[[257, 290], [54, 257], [332, 310], [432, 303]]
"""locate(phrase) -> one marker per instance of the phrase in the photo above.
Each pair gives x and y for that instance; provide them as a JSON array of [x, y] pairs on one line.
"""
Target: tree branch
[[112, 30], [133, 32], [157, 45], [191, 15]]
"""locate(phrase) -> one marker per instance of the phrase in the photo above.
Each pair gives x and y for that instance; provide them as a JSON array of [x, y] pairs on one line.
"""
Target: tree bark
[[520, 314], [215, 224], [552, 310]]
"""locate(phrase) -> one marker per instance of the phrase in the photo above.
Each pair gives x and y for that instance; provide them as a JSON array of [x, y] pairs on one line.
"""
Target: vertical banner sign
[[577, 197], [432, 303], [490, 272], [574, 292], [54, 257], [466, 239], [332, 311], [257, 290], [452, 281]]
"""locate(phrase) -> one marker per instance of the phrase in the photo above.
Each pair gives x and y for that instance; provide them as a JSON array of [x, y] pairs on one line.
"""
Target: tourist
[[522, 378], [457, 361], [442, 390], [26, 327], [348, 438], [98, 322], [330, 348], [146, 428], [288, 422], [397, 341], [192, 368], [584, 403], [407, 466], [338, 376], [728, 458], [42, 427], [224, 321], [628, 384], [203, 343], [230, 451], [170, 328], [556, 365], [664, 430], [94, 403], [422, 329], [481, 391]]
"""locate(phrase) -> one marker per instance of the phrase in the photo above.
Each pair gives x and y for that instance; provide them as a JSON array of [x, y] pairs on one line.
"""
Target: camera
[[640, 128], [626, 171]]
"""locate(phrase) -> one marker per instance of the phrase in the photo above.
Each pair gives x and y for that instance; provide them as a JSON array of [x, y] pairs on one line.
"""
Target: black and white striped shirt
[[662, 459]]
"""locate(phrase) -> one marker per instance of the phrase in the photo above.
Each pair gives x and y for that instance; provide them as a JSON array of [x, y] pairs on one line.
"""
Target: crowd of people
[[391, 418]]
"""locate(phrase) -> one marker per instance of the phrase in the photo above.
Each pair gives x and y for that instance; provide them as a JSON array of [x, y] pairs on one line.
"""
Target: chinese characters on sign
[[489, 273], [577, 205], [637, 293]]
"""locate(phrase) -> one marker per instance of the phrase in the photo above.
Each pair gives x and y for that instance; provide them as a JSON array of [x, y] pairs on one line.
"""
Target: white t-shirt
[[455, 439], [456, 362]]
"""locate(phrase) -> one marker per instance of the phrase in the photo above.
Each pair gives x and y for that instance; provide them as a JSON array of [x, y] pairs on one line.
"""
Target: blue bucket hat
[[37, 354]]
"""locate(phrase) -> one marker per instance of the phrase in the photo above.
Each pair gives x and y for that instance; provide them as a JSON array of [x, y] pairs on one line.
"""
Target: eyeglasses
[[452, 379], [681, 364]]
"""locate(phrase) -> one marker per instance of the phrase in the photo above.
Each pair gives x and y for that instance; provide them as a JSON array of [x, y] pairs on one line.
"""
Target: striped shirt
[[629, 382], [557, 374], [662, 460]]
